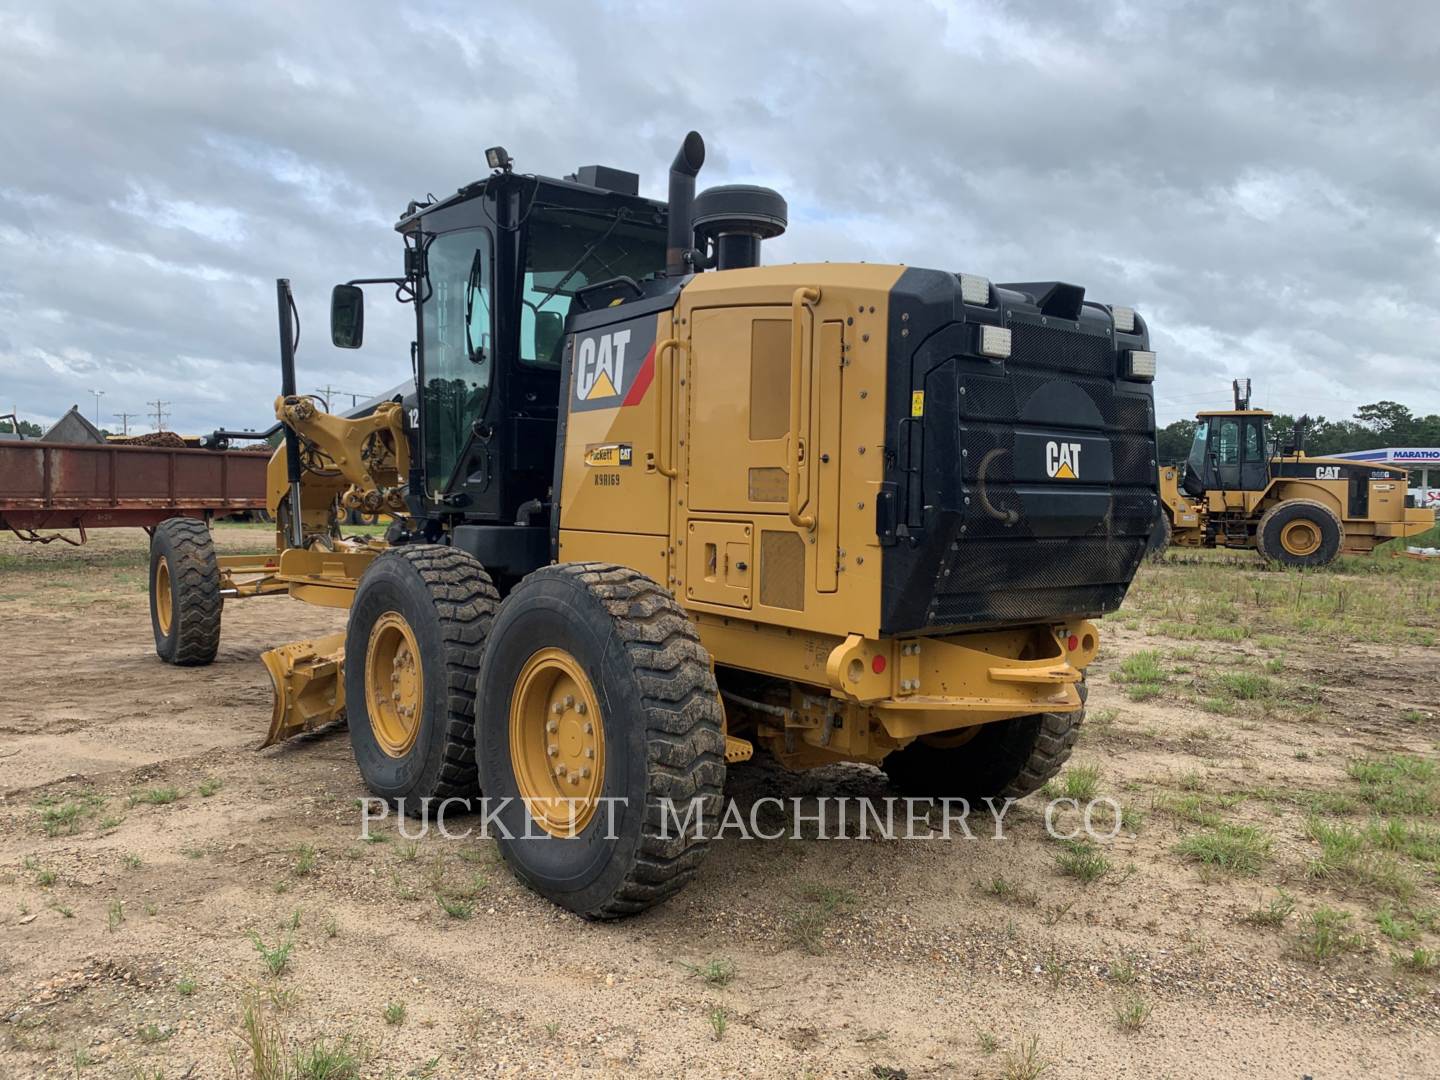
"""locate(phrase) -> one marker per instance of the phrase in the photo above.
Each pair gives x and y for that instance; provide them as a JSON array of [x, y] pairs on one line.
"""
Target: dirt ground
[[1271, 907]]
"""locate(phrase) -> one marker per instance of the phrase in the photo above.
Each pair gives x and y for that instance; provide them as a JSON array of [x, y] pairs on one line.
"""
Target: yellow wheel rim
[[557, 742], [394, 684], [1300, 537], [164, 597], [949, 740]]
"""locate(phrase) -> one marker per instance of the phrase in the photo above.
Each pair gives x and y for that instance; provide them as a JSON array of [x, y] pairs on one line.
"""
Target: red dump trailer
[[49, 486]]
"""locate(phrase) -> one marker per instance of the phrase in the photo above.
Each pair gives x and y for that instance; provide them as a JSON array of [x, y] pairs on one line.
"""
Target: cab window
[[1254, 441], [568, 248], [456, 332], [1227, 442]]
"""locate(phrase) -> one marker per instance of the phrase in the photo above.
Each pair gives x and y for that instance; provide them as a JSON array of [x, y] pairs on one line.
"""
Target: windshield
[[569, 248], [1197, 448]]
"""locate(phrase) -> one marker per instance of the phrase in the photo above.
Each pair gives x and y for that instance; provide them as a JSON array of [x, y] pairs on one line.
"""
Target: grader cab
[[659, 507]]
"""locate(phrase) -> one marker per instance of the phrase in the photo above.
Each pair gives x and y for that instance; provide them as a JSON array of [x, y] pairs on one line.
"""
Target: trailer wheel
[[1299, 532], [185, 600], [412, 649], [599, 733], [1006, 759]]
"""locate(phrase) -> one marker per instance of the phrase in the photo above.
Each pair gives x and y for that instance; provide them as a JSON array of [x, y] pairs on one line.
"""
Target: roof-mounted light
[[497, 157], [975, 289], [1124, 319]]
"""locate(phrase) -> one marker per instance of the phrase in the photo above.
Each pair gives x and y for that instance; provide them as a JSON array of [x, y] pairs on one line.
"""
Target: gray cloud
[[1263, 182]]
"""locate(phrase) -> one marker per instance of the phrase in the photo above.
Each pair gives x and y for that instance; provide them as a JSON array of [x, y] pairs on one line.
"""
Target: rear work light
[[995, 341], [1124, 319], [1140, 364], [975, 289]]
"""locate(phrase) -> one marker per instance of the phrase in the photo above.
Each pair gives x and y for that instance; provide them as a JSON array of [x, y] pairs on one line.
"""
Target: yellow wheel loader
[[1295, 510], [656, 506]]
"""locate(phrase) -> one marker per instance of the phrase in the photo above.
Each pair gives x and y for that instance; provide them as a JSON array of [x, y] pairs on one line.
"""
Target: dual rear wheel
[[583, 706]]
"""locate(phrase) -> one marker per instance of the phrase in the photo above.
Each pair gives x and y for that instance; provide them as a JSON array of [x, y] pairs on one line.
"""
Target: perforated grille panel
[[782, 570]]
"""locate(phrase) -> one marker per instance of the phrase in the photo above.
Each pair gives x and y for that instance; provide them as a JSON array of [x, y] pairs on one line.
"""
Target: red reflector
[[878, 665], [1074, 643]]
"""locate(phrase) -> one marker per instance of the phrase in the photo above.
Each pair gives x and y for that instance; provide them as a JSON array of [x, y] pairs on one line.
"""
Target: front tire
[[1300, 532], [185, 600], [599, 715], [412, 650], [1005, 759]]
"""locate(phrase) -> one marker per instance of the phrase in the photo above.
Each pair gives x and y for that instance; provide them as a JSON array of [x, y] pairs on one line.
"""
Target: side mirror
[[549, 329], [347, 316]]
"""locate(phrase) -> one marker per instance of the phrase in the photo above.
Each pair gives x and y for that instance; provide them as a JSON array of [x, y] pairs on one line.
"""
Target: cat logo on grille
[[1062, 460]]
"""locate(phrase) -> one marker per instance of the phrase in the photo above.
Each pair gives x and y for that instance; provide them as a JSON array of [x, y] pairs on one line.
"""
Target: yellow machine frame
[[814, 469]]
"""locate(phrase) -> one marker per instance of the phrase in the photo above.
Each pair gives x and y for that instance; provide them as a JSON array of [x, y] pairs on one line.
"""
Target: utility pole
[[159, 413], [329, 393], [98, 395], [125, 418]]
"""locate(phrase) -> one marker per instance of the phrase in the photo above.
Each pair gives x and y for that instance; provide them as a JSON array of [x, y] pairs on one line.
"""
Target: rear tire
[[1006, 759], [185, 600], [417, 628], [1300, 532], [1160, 535], [584, 633]]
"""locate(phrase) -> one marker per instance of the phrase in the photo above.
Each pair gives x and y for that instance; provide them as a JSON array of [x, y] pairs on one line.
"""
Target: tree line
[[1384, 423]]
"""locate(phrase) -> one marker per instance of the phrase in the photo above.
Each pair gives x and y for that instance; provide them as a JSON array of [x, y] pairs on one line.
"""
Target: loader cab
[[494, 271], [1230, 453]]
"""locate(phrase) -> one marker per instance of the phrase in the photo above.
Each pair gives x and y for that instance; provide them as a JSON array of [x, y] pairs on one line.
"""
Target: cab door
[[1254, 459], [1224, 455]]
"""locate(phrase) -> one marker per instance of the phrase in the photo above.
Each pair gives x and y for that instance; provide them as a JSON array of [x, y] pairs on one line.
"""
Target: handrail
[[665, 408], [799, 378]]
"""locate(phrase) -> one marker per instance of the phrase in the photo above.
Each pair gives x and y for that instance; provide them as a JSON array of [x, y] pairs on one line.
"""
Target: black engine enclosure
[[978, 526]]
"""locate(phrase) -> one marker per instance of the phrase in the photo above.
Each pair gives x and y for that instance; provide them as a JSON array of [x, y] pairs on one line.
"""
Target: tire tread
[[683, 720]]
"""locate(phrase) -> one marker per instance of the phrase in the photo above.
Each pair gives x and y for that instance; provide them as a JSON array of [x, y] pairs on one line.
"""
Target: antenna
[[1242, 394]]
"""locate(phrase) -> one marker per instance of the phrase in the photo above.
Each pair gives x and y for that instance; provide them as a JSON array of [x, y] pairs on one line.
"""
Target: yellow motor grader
[[1236, 491], [656, 506]]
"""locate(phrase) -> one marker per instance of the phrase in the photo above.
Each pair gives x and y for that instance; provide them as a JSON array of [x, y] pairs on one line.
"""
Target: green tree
[[27, 429], [1173, 441]]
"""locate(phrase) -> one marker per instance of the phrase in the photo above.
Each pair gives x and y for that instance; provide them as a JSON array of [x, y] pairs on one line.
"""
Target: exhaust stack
[[680, 237]]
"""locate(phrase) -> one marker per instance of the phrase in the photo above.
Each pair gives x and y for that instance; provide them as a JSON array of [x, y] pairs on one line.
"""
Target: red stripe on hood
[[642, 381]]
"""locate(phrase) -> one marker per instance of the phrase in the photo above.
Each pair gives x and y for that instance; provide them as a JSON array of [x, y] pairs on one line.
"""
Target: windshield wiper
[[473, 285], [622, 215]]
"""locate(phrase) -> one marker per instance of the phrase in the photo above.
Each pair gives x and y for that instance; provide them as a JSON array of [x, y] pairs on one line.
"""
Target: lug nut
[[581, 708], [589, 729], [560, 770], [590, 751], [569, 701], [551, 726], [585, 772], [553, 751]]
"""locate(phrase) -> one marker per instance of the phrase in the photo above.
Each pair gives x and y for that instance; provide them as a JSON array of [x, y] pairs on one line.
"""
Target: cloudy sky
[[1262, 181]]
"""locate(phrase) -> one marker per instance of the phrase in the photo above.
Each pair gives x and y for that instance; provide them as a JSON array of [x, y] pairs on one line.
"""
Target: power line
[[159, 413], [125, 418], [329, 393]]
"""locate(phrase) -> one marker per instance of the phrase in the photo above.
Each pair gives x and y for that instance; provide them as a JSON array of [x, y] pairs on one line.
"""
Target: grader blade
[[309, 681]]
